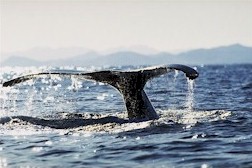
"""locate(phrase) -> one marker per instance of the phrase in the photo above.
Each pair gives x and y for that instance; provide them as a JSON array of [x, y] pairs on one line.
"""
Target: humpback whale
[[129, 83]]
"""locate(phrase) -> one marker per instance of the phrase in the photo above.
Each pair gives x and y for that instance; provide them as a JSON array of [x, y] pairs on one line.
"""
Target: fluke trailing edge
[[129, 83]]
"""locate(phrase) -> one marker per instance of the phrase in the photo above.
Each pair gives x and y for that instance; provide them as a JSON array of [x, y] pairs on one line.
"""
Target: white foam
[[188, 118], [192, 117]]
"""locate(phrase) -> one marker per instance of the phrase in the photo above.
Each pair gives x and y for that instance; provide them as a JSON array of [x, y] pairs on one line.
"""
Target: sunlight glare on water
[[3, 162], [75, 84], [207, 125]]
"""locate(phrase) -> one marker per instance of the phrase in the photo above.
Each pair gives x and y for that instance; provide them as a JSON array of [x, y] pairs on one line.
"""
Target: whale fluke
[[129, 83]]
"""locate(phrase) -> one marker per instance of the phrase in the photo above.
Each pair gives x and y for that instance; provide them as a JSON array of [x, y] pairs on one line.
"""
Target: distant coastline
[[232, 54]]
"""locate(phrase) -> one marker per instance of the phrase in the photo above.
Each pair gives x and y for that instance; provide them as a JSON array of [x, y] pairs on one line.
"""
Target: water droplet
[[190, 95], [48, 142], [138, 138], [204, 166], [37, 149], [195, 136], [3, 162]]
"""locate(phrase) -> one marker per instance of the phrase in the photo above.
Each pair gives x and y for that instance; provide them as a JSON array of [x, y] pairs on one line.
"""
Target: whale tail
[[129, 83]]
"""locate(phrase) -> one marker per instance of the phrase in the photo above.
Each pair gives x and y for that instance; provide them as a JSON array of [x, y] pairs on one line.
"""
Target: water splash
[[175, 75], [22, 126], [3, 101], [190, 95], [76, 85], [3, 162], [8, 98], [29, 101], [191, 118]]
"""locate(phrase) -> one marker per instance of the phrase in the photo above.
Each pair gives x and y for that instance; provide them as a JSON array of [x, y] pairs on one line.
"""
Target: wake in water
[[112, 123]]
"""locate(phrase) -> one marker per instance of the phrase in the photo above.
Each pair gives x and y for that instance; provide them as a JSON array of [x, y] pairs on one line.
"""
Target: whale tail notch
[[129, 83]]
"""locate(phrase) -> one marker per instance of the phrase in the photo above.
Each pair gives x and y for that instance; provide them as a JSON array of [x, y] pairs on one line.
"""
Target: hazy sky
[[101, 25]]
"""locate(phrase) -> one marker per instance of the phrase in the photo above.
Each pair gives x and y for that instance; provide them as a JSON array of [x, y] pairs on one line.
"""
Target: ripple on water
[[181, 137]]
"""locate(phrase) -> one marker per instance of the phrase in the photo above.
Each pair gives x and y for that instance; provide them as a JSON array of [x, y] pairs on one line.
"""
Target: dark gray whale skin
[[129, 83]]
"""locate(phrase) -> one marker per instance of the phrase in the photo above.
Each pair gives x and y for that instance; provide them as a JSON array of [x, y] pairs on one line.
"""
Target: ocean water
[[49, 122]]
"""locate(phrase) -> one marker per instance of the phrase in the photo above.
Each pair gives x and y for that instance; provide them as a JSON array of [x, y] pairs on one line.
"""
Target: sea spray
[[8, 97], [3, 99], [190, 95], [75, 85], [30, 97], [29, 102], [175, 75]]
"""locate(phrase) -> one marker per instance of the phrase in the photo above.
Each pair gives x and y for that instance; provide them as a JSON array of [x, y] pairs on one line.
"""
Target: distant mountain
[[233, 54], [124, 58], [47, 52], [140, 49], [89, 58], [20, 61]]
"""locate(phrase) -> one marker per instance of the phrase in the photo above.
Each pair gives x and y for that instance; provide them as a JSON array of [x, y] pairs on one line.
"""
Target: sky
[[100, 25]]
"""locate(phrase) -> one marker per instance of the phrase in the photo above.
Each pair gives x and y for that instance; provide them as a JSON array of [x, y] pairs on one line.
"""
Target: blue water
[[205, 123]]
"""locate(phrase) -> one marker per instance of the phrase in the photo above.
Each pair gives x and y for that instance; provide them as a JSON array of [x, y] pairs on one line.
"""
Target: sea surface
[[69, 122]]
